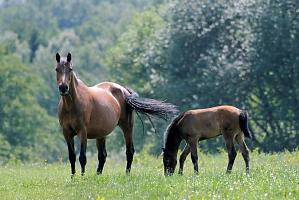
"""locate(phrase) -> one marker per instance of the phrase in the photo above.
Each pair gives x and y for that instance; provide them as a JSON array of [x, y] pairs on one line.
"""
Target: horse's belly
[[97, 133], [101, 128], [103, 125], [206, 134]]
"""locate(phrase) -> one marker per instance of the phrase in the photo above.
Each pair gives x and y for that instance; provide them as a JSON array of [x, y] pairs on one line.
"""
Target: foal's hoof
[[128, 172], [99, 172], [72, 176], [228, 171], [82, 174], [181, 172]]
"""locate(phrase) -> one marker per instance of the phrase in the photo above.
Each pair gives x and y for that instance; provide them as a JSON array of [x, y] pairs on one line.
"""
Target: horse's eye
[[56, 69]]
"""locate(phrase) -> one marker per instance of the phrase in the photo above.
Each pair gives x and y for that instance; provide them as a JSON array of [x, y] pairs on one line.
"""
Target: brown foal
[[196, 125]]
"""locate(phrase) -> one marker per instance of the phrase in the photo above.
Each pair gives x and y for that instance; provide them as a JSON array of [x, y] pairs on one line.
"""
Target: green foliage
[[275, 75], [126, 58], [222, 52], [32, 32], [272, 177], [25, 130], [191, 53]]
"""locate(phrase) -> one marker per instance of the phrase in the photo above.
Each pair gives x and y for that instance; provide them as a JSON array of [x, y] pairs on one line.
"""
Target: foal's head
[[64, 71], [169, 161]]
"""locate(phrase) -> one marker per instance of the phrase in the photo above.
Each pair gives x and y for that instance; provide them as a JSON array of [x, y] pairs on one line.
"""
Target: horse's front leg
[[102, 154], [83, 146], [71, 149], [183, 156], [194, 156]]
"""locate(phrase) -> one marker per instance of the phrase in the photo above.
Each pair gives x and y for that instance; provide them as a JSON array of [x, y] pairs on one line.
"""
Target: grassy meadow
[[274, 176]]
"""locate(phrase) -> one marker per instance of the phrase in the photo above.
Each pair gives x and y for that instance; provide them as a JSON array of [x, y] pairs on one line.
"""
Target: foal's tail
[[243, 121], [150, 107]]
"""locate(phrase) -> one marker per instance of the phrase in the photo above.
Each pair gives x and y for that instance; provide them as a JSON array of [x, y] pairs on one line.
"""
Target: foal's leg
[[231, 151], [183, 156], [194, 157], [82, 156], [244, 150], [102, 154]]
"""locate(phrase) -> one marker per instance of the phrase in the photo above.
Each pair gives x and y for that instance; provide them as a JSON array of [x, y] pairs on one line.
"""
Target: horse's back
[[210, 122], [118, 91]]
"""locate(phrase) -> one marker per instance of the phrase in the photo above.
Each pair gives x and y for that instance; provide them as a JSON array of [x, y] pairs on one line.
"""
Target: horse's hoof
[[72, 176], [128, 171], [82, 174], [228, 171]]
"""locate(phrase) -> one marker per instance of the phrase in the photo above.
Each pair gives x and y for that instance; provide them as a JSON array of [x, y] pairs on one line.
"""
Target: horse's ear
[[57, 57], [69, 57]]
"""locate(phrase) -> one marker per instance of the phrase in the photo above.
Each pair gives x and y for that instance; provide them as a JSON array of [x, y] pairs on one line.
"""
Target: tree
[[222, 52], [275, 75], [26, 130]]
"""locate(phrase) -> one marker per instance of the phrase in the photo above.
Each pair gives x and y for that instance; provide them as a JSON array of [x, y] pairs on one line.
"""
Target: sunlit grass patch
[[273, 176]]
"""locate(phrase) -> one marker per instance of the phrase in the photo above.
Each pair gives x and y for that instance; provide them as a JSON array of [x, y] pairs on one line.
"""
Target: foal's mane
[[172, 125]]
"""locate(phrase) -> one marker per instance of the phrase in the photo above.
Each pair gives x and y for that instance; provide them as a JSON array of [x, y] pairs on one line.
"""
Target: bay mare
[[94, 112], [200, 124]]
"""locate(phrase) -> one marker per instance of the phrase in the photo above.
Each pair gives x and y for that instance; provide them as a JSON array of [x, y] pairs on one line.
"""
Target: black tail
[[150, 107], [243, 121]]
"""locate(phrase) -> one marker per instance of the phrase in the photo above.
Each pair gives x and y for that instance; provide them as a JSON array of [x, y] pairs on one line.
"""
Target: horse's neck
[[172, 143], [71, 99]]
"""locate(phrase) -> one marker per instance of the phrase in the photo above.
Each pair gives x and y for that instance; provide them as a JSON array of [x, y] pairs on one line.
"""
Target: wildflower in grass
[[100, 198]]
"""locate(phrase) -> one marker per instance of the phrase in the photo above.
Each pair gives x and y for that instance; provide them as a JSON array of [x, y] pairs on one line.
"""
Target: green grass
[[272, 177]]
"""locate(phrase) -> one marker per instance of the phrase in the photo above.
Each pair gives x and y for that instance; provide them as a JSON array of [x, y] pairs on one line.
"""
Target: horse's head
[[169, 162], [63, 72]]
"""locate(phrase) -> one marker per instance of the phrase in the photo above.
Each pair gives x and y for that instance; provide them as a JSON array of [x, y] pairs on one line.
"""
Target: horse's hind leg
[[231, 151], [244, 150], [102, 154], [127, 128], [183, 156]]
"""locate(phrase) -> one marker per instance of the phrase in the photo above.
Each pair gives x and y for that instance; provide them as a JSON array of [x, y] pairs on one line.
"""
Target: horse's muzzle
[[168, 172], [63, 89]]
